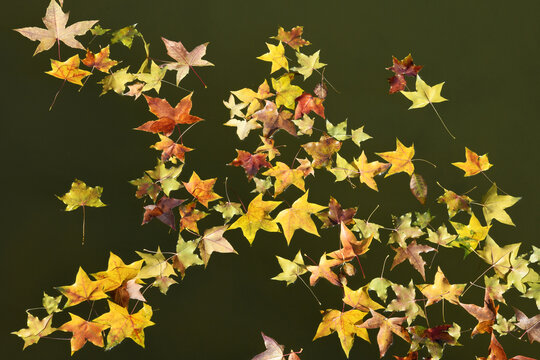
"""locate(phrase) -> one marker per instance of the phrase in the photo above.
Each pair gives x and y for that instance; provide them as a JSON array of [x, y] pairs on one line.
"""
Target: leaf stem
[[310, 290], [442, 121]]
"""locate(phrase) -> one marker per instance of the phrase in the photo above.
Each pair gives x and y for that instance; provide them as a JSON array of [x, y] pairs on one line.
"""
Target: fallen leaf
[[184, 60]]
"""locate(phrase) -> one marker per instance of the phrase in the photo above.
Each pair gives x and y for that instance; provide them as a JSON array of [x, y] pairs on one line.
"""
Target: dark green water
[[486, 51]]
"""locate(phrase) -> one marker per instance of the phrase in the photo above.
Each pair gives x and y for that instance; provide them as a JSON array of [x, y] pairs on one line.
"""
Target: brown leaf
[[418, 188], [412, 253]]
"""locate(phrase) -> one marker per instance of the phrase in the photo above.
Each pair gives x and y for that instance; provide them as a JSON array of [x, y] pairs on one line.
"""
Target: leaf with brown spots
[[418, 187], [100, 60], [285, 177], [250, 162], [170, 149], [189, 217], [83, 331], [473, 164], [412, 253], [293, 38], [322, 151], [324, 270], [162, 211], [401, 68], [273, 120], [386, 326], [454, 202], [336, 214]]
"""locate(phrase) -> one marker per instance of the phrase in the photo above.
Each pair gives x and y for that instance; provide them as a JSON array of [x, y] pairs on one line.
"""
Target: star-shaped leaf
[[501, 258], [495, 204], [401, 68], [286, 93], [358, 136], [55, 21], [324, 270], [298, 216], [305, 125], [470, 235], [308, 63], [275, 55], [274, 351], [454, 202], [360, 299], [243, 127], [253, 98], [117, 272], [83, 331], [441, 237], [350, 247], [185, 256], [406, 301], [202, 190], [368, 170], [285, 177], [274, 120], [473, 164], [307, 103], [293, 38], [82, 195], [166, 176], [386, 326], [82, 290], [234, 107], [152, 79], [291, 269], [530, 325], [100, 61], [170, 149], [401, 159], [189, 216], [424, 94], [336, 214], [125, 325], [36, 329], [250, 162], [344, 324], [412, 253], [213, 241], [268, 147], [116, 81], [441, 290], [339, 131], [257, 217], [155, 265], [162, 211], [68, 70], [485, 314], [229, 209], [125, 35], [184, 60], [321, 151]]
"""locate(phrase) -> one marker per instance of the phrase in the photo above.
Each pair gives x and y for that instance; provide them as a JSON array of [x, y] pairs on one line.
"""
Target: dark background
[[486, 51]]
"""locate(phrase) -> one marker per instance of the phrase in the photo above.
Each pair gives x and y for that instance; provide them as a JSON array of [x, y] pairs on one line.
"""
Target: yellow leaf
[[473, 164], [257, 217], [285, 92], [424, 94], [68, 70], [275, 55], [400, 159]]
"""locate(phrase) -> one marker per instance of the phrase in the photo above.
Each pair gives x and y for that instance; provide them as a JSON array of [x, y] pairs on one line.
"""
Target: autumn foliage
[[288, 109]]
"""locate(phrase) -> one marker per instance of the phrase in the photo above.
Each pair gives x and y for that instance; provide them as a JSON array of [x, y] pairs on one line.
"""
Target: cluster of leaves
[[288, 107]]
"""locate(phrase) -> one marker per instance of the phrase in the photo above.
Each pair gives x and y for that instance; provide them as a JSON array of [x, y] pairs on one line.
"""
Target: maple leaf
[[308, 63], [168, 117], [496, 352], [406, 301], [273, 120], [485, 314], [155, 265], [97, 30], [125, 35], [339, 131], [257, 217], [189, 217], [358, 136], [344, 324], [274, 351], [367, 229], [495, 288], [55, 21], [351, 247], [434, 339], [454, 202], [68, 70], [213, 241], [305, 125], [253, 98], [170, 149], [100, 60], [380, 286], [229, 209], [51, 304], [268, 147], [336, 215], [117, 273], [285, 92], [386, 326], [285, 177], [470, 235], [293, 38], [116, 81], [324, 269], [401, 159], [369, 170], [275, 55], [184, 59], [125, 325], [82, 195], [202, 190], [152, 79], [360, 299], [530, 325], [501, 259], [441, 236], [83, 331], [473, 164], [343, 170], [307, 103], [162, 211], [401, 68], [250, 162], [185, 256], [234, 107], [129, 290], [495, 204], [36, 329], [424, 94], [412, 253], [291, 269], [306, 167], [146, 186], [261, 186], [322, 151], [166, 176], [298, 216], [441, 290], [243, 127], [82, 290], [403, 230]]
